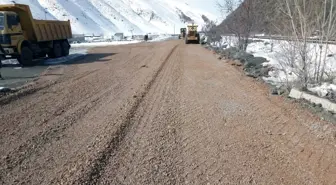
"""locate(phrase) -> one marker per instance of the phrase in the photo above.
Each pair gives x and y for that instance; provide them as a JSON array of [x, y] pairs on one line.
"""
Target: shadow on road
[[14, 75], [90, 58], [71, 59]]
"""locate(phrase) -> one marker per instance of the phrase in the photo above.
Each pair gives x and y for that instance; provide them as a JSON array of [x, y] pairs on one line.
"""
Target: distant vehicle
[[182, 33], [119, 37], [97, 40], [77, 38], [192, 35], [25, 38], [146, 37]]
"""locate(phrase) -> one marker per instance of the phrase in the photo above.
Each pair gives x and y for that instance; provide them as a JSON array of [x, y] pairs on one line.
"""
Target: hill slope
[[111, 16], [268, 17]]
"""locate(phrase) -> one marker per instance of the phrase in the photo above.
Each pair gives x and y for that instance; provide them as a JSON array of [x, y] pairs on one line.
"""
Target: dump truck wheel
[[56, 51], [65, 48], [26, 57]]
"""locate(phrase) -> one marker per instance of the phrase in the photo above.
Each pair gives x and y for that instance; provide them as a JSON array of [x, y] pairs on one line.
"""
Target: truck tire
[[56, 51], [198, 39], [65, 48], [186, 41], [26, 57]]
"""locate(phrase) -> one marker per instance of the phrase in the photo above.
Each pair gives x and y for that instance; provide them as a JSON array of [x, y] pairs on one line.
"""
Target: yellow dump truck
[[26, 39], [192, 35]]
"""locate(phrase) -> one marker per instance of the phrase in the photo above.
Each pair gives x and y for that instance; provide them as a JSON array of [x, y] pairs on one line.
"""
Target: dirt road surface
[[159, 113]]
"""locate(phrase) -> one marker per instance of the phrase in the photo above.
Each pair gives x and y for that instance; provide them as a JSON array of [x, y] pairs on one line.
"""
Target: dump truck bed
[[39, 30], [46, 30]]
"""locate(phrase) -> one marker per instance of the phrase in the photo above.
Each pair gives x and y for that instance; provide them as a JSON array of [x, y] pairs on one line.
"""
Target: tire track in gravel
[[66, 85], [149, 151], [111, 99], [236, 134], [33, 145], [100, 163]]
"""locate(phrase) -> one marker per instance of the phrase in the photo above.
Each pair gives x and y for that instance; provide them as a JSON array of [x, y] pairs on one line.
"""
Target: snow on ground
[[323, 89], [278, 52], [281, 73], [225, 42], [4, 89], [74, 54], [162, 38], [97, 44], [10, 62], [278, 57]]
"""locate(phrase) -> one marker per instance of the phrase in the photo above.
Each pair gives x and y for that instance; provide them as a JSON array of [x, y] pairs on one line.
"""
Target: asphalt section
[[16, 76], [159, 113]]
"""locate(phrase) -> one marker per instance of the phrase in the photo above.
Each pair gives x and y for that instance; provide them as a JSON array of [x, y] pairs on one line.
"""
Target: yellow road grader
[[192, 36]]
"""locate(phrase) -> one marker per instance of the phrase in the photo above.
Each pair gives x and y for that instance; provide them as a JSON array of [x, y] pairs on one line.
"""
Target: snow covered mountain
[[129, 16]]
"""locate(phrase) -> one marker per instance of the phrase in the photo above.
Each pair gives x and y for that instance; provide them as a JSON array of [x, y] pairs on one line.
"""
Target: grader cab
[[182, 33], [192, 35]]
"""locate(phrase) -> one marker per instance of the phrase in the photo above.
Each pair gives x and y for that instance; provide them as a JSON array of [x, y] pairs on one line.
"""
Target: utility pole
[[131, 30]]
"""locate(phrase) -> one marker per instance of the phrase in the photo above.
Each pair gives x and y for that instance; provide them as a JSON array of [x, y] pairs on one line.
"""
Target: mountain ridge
[[111, 16]]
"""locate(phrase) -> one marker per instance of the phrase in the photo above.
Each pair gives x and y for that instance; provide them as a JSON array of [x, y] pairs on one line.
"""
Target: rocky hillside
[[263, 15], [267, 16]]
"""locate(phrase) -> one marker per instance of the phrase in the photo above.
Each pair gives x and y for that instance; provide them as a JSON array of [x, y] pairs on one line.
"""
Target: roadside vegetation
[[297, 37]]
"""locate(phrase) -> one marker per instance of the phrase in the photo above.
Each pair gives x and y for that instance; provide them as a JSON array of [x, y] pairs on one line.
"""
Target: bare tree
[[209, 29], [304, 19], [243, 19], [326, 24]]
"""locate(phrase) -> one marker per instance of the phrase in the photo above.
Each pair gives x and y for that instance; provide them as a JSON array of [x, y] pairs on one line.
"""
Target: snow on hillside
[[129, 16]]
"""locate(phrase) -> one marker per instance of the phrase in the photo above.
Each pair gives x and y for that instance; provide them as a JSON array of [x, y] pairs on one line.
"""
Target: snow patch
[[323, 89], [97, 44], [72, 56], [281, 73], [161, 38]]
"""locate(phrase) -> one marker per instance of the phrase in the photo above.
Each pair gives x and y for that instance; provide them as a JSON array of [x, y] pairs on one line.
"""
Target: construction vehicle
[[182, 33], [25, 39], [192, 36]]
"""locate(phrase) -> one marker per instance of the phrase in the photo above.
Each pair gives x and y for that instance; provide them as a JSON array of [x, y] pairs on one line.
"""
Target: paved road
[[159, 113], [14, 75]]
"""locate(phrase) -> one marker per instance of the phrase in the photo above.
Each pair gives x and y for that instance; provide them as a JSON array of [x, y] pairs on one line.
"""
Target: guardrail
[[310, 40]]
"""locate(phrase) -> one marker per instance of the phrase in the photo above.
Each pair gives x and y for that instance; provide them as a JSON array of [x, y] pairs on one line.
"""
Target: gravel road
[[159, 113]]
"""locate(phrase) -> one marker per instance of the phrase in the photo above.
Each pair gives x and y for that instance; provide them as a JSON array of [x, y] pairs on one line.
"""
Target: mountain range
[[108, 17]]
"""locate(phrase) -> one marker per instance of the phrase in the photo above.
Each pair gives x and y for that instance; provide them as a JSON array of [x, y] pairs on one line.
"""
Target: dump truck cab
[[192, 35], [10, 31]]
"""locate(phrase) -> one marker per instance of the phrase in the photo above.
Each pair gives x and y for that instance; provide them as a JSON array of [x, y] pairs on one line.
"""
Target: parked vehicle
[[26, 39]]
